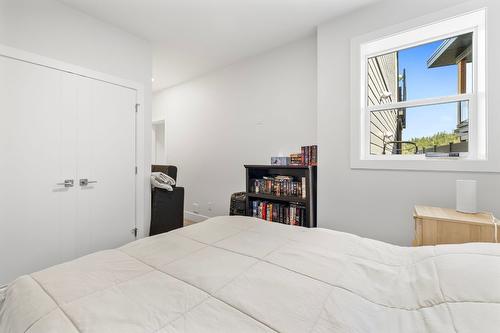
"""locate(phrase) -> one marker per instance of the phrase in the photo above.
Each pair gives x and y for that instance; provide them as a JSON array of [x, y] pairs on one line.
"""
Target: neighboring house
[[457, 51], [383, 88]]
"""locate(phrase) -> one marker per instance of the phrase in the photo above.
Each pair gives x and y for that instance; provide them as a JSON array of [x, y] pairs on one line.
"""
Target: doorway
[[158, 154]]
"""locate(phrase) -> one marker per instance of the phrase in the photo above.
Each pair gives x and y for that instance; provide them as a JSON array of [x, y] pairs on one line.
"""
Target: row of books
[[280, 186], [289, 213], [308, 156]]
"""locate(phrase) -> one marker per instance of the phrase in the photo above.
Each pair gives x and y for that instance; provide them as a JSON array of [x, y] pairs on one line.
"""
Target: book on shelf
[[314, 155], [296, 159], [308, 156], [280, 186], [303, 185], [290, 213], [305, 156]]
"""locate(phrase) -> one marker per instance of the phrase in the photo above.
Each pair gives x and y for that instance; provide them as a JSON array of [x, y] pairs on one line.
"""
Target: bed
[[239, 274]]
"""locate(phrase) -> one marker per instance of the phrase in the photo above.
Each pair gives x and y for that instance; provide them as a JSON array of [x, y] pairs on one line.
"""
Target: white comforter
[[237, 274]]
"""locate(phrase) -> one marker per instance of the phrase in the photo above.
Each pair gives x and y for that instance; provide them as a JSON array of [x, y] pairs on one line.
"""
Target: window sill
[[434, 164]]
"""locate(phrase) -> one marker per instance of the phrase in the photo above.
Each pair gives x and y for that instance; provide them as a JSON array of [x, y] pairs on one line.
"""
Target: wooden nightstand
[[434, 225]]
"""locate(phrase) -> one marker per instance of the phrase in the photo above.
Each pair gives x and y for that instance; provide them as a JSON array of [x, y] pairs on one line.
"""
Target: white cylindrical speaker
[[466, 196]]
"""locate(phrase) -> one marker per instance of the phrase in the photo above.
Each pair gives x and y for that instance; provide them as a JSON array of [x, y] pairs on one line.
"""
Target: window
[[422, 92]]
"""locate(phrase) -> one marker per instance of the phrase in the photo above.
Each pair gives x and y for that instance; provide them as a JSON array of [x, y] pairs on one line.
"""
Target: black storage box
[[238, 204]]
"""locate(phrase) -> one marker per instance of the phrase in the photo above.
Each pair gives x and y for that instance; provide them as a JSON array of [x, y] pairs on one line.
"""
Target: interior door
[[37, 140], [106, 160], [57, 126]]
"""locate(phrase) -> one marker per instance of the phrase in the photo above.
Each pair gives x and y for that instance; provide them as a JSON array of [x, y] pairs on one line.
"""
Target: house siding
[[382, 77]]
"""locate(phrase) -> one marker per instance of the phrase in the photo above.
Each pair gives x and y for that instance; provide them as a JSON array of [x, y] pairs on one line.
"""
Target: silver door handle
[[67, 183], [85, 182]]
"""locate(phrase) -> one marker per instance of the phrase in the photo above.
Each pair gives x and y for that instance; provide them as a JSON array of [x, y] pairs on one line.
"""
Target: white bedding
[[238, 274]]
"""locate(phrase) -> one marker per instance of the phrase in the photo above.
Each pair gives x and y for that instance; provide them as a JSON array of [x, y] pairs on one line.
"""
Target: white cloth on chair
[[164, 178], [161, 180]]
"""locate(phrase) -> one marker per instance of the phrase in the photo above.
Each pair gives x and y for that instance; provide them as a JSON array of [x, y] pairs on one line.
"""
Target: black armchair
[[167, 207]]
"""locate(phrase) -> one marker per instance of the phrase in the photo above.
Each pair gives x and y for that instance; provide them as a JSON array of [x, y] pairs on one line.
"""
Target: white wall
[[51, 29], [245, 113], [378, 203]]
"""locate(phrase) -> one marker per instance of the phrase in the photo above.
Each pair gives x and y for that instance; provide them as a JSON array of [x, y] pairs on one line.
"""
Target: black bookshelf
[[298, 172]]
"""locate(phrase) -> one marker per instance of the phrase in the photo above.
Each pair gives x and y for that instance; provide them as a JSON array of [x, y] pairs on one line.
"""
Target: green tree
[[428, 142]]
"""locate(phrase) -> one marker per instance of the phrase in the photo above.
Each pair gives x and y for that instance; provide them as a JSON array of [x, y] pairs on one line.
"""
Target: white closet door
[[56, 126], [37, 151], [106, 156]]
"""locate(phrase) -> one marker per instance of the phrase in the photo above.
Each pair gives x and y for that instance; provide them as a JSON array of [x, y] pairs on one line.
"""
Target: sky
[[423, 82]]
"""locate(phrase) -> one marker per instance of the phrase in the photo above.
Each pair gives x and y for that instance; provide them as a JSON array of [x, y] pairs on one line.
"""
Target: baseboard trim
[[194, 217]]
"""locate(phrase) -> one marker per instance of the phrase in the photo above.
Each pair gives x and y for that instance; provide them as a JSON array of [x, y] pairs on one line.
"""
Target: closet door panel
[[35, 149], [69, 133], [106, 155]]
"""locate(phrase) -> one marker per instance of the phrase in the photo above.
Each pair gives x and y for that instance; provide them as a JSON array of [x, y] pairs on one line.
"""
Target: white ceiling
[[193, 37]]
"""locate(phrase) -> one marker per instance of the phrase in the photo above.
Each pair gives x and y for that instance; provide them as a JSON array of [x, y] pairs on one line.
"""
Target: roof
[[451, 50]]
